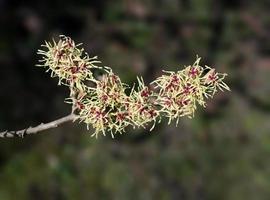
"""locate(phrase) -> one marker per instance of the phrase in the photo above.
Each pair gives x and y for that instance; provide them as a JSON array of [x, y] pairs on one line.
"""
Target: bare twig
[[73, 97], [39, 128]]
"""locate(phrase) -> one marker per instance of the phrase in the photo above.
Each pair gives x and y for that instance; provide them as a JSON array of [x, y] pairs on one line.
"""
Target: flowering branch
[[105, 103]]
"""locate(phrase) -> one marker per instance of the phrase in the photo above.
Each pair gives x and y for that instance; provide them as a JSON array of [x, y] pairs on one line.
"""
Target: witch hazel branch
[[110, 106]]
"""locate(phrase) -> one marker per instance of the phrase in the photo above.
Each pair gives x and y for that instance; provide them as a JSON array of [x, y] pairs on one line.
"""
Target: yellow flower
[[104, 102]]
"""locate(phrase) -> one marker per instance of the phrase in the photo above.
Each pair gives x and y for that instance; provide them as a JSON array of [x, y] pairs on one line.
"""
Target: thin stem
[[73, 98], [39, 128]]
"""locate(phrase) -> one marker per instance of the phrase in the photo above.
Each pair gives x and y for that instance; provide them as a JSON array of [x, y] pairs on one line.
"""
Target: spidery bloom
[[106, 107], [67, 61], [180, 92], [142, 107], [104, 103]]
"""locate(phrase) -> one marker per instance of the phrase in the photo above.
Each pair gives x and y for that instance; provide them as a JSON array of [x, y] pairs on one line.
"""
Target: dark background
[[223, 153]]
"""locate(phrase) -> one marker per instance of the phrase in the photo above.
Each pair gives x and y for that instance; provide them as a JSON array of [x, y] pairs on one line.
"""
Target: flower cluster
[[67, 61], [106, 107], [181, 91], [105, 103]]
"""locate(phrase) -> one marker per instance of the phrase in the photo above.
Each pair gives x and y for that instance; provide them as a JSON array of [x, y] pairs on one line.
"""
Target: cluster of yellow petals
[[108, 105]]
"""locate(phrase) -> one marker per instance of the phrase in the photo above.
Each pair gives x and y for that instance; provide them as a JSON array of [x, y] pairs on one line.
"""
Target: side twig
[[39, 128]]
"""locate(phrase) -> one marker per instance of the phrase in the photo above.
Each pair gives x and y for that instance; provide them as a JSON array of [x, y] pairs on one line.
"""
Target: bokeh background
[[223, 153]]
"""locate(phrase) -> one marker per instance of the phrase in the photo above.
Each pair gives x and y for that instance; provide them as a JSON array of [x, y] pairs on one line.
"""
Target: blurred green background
[[223, 153]]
